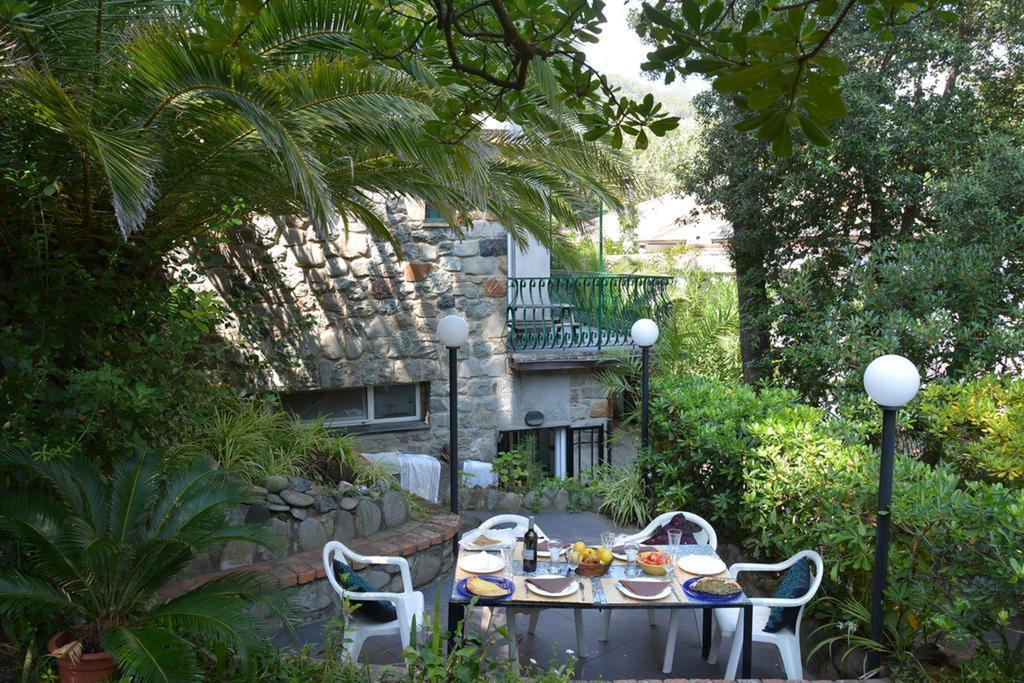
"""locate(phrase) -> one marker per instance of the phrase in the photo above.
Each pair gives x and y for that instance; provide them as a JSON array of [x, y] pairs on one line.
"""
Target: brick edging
[[302, 568]]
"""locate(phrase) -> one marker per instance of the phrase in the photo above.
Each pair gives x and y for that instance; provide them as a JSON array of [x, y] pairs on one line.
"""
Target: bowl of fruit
[[654, 562], [593, 561]]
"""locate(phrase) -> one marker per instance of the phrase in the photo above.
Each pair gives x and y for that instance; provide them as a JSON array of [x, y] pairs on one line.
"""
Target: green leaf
[[813, 130], [745, 77], [834, 66], [641, 141], [753, 122]]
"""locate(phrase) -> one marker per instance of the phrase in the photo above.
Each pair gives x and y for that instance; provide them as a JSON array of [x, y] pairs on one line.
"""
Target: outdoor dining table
[[600, 593]]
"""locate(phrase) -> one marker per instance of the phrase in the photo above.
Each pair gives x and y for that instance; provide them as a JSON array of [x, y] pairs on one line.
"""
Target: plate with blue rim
[[505, 584], [701, 596]]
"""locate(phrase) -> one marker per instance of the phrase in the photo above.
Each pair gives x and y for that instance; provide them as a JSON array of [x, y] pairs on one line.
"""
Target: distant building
[[672, 221]]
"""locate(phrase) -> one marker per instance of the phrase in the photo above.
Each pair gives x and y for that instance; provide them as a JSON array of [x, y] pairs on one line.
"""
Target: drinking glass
[[573, 557], [675, 540], [631, 549], [508, 554], [554, 550], [607, 539]]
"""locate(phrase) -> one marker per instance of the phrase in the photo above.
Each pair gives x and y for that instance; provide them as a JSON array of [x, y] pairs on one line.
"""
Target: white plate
[[630, 594], [481, 563], [573, 587], [701, 565], [507, 538]]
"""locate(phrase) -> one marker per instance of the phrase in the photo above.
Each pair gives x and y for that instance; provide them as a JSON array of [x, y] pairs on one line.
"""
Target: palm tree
[[96, 549], [149, 115]]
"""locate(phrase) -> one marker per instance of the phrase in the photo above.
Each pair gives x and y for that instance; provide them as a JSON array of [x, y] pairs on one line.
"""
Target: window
[[562, 451], [359, 406], [431, 216]]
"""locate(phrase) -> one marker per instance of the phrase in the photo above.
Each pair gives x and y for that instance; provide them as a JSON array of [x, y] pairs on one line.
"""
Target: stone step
[[405, 541]]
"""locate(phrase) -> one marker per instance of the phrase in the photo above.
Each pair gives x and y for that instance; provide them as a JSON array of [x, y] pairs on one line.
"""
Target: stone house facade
[[357, 325]]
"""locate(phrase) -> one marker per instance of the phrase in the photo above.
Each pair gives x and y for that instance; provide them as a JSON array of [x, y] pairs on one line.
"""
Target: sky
[[619, 52]]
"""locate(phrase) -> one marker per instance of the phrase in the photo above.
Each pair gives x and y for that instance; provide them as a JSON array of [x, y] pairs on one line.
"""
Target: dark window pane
[[341, 404], [394, 400], [432, 215]]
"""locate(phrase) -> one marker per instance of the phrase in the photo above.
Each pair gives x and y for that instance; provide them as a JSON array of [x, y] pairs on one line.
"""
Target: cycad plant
[[150, 114], [96, 548]]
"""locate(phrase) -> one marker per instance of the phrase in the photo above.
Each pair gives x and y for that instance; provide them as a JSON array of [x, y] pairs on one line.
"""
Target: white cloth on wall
[[479, 473], [419, 474]]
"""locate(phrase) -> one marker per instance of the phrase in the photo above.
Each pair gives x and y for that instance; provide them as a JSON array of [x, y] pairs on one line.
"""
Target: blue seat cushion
[[795, 584], [377, 610]]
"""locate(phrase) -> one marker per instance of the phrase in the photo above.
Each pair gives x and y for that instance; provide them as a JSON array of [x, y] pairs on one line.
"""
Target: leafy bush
[[622, 492], [977, 426], [255, 439], [95, 548], [519, 469], [781, 477]]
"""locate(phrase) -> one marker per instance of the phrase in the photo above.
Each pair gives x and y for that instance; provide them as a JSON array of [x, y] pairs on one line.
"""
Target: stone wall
[[302, 517], [347, 312]]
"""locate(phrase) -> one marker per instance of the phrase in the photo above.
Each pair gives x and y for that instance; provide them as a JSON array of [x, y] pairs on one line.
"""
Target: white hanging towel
[[419, 474]]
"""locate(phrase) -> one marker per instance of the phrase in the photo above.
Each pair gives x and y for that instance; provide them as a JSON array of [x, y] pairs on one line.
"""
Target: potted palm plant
[[97, 546]]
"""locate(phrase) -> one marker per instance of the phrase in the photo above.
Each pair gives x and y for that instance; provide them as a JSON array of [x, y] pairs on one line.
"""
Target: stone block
[[425, 566], [344, 525], [368, 517], [348, 503], [560, 501], [309, 256], [382, 288], [237, 554], [497, 246], [480, 265], [361, 268], [257, 514], [395, 509], [495, 287], [509, 502], [337, 267], [299, 484], [353, 349], [293, 236], [296, 499], [300, 514], [275, 483], [330, 344], [278, 507], [313, 533], [313, 597], [416, 272], [445, 302], [324, 504], [450, 263], [428, 252], [355, 246], [466, 248], [379, 327]]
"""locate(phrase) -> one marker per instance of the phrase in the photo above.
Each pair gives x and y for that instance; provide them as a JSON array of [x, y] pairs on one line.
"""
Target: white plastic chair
[[521, 524], [408, 603], [728, 622], [706, 536]]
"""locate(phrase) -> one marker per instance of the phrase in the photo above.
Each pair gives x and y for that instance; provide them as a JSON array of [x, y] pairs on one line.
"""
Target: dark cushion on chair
[[660, 536], [794, 584], [377, 610]]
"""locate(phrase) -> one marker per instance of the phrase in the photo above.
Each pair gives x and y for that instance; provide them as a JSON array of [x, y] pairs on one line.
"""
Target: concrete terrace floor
[[634, 649]]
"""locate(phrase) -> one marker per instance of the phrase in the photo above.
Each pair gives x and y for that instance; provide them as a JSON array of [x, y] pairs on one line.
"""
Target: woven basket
[[599, 569]]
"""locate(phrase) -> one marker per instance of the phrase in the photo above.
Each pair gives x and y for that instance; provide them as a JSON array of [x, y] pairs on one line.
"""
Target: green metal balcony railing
[[581, 310]]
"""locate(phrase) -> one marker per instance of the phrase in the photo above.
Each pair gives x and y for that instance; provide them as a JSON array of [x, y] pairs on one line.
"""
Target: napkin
[[552, 585], [644, 588], [621, 549]]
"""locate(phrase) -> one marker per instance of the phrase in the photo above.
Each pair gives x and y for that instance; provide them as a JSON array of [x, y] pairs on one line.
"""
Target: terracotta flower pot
[[89, 668]]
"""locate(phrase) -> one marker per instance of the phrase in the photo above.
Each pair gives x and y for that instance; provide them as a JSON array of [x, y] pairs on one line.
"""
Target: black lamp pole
[[455, 612], [882, 539], [645, 391]]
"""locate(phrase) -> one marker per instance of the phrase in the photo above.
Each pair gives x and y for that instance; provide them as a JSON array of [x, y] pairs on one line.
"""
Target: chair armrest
[[735, 569], [781, 602]]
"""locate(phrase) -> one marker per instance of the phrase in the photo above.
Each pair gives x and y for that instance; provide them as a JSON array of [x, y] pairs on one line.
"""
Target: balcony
[[581, 312]]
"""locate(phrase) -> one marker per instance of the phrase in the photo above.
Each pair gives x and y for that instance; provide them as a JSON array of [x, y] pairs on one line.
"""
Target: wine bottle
[[530, 549]]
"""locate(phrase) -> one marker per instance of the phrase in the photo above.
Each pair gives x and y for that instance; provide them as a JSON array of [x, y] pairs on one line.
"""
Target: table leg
[[705, 634], [748, 638], [456, 613]]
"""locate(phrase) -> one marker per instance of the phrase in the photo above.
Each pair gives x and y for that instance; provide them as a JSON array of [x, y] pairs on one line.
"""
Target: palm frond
[[152, 653]]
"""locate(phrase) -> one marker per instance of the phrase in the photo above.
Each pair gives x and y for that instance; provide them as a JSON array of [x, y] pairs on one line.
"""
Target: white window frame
[[370, 418]]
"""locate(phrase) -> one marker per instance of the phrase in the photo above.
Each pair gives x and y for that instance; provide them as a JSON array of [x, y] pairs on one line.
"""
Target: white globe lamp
[[891, 381], [644, 332], [452, 331]]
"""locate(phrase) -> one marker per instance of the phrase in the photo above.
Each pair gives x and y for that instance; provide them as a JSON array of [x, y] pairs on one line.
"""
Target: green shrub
[[519, 469], [254, 439], [977, 426], [622, 492], [781, 477]]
